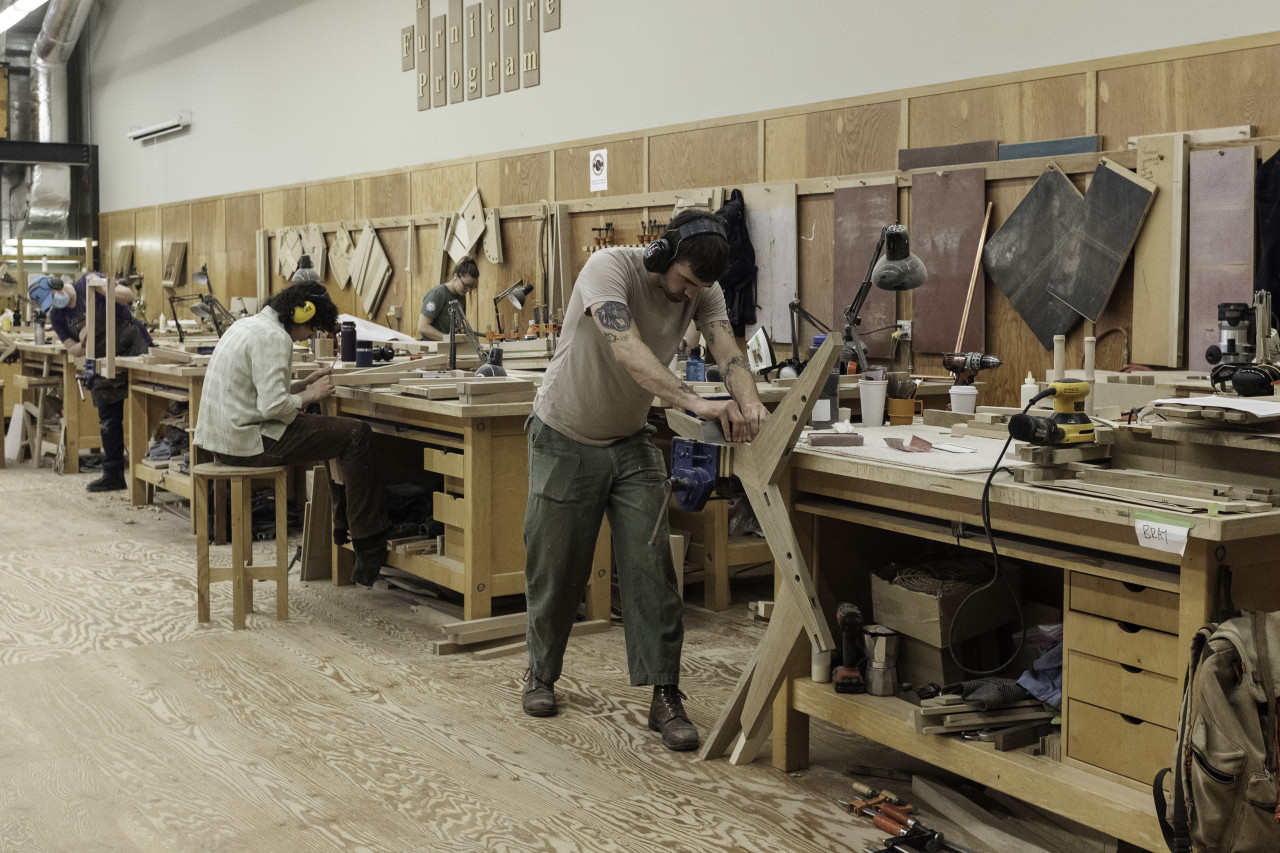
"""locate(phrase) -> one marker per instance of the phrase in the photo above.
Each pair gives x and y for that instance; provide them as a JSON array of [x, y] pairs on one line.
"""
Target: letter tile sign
[[471, 51]]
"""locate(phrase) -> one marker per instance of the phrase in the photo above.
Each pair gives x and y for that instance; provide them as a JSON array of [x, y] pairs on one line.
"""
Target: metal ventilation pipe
[[50, 193]]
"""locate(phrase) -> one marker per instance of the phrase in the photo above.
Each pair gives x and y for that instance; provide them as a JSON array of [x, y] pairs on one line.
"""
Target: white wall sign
[[599, 165]]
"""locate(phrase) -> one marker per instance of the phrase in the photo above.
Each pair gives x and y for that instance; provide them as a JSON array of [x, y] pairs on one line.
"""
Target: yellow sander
[[1067, 425]]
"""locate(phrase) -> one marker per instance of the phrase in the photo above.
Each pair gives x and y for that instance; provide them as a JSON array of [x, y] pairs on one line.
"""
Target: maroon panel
[[860, 213], [1219, 242], [949, 155], [946, 222]]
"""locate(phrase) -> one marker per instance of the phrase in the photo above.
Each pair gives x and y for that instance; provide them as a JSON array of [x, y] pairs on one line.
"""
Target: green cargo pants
[[571, 487]]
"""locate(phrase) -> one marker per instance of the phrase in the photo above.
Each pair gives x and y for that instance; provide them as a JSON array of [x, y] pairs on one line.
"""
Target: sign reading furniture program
[[478, 50]]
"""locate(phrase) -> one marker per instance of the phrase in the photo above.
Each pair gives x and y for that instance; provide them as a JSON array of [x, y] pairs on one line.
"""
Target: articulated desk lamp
[[897, 270], [516, 294], [204, 305], [458, 320]]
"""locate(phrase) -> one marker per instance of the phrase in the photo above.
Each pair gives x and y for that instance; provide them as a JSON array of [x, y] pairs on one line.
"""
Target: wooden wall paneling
[[946, 219], [444, 188], [422, 280], [1048, 108], [626, 169], [209, 244], [852, 140], [580, 237], [1214, 90], [488, 179], [1220, 242], [712, 156], [383, 196], [283, 207], [148, 257], [331, 201], [523, 180], [860, 214], [815, 250], [1160, 255], [785, 148], [243, 217], [771, 221], [114, 231], [520, 261]]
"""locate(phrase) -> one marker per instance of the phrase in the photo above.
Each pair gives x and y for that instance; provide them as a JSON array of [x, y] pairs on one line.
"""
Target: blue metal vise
[[694, 472]]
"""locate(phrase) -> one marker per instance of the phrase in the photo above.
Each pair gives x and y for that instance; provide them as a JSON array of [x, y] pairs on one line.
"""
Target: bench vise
[[695, 470]]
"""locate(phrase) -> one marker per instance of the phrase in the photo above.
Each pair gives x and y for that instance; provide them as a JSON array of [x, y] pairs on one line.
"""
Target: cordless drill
[[965, 365], [847, 678], [1067, 425]]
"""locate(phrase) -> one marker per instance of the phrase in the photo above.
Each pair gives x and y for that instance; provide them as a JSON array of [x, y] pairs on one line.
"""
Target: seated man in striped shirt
[[249, 415]]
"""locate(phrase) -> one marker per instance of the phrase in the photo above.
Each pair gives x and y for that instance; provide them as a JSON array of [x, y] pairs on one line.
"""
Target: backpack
[[739, 282], [1223, 795]]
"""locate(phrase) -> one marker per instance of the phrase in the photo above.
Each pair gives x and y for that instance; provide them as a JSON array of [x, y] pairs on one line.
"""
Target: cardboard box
[[920, 663], [928, 617]]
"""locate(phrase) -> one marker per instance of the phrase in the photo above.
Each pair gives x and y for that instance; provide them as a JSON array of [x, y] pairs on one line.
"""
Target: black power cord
[[996, 572]]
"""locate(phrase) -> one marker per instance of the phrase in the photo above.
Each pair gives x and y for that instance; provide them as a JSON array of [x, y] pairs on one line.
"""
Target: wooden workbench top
[[449, 408]]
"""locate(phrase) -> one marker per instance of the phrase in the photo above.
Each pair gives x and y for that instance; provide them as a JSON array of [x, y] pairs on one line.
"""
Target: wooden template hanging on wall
[[1018, 255], [771, 221], [174, 262], [1087, 263], [860, 214], [946, 221], [313, 245], [288, 250], [340, 256], [1220, 241], [1159, 256]]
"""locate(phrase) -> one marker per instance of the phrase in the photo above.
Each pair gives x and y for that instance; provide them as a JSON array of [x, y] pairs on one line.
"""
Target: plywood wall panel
[[522, 180], [520, 260], [387, 195], [242, 216], [283, 207], [114, 230], [209, 244], [815, 257], [442, 189], [853, 140], [1218, 90], [1015, 112], [626, 169], [148, 257], [579, 236], [328, 202], [785, 148], [713, 156]]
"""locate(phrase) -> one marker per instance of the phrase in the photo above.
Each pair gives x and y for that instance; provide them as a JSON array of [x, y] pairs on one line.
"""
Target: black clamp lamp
[[897, 270], [204, 305], [458, 321], [516, 294]]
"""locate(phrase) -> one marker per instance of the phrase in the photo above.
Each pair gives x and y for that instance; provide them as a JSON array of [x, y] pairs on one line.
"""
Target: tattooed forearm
[[613, 315], [684, 386], [730, 374], [719, 327]]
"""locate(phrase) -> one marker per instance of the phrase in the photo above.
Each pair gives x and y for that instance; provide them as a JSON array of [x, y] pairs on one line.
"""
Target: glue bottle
[[695, 369], [1029, 389]]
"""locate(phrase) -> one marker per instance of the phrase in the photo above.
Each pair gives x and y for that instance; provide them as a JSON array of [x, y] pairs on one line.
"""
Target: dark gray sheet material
[[949, 155], [1085, 267], [860, 213], [1050, 147], [1017, 257]]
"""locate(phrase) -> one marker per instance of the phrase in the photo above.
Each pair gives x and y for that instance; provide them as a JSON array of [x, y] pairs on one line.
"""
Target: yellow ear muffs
[[304, 312]]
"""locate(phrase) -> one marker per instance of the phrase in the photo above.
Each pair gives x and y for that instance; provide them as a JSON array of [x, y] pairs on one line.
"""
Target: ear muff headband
[[661, 253], [304, 312]]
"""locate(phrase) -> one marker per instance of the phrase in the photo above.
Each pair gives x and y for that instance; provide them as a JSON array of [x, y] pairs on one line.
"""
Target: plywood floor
[[125, 725]]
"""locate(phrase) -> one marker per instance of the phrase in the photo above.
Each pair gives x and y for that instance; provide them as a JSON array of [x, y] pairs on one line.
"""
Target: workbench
[[481, 452], [47, 369], [1130, 613], [152, 388], [711, 544]]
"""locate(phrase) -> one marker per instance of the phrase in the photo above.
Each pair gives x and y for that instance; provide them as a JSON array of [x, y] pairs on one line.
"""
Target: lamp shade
[[898, 268], [517, 293]]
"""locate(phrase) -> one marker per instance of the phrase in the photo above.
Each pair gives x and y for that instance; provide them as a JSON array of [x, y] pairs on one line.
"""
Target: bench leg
[[241, 585], [200, 510], [282, 547]]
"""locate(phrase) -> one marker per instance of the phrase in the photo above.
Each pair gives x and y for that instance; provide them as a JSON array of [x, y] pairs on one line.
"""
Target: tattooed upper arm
[[613, 315], [715, 328]]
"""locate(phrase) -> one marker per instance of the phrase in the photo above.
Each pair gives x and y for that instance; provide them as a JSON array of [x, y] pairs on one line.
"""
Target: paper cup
[[871, 394], [964, 398]]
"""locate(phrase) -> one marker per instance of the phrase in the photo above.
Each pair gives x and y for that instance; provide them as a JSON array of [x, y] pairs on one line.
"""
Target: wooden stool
[[242, 573]]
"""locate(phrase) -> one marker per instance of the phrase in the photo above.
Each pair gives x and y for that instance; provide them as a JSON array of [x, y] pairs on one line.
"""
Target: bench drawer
[[1125, 745], [1154, 651], [1123, 602], [1138, 693]]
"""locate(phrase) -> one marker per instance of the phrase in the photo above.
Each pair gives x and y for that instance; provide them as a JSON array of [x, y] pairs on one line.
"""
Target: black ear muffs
[[1255, 380], [661, 253], [304, 312]]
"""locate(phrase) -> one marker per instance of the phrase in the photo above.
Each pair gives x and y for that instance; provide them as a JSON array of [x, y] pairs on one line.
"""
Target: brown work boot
[[539, 698], [666, 715]]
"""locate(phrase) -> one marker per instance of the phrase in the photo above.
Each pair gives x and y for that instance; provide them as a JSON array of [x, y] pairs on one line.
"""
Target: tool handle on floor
[[893, 812], [888, 825]]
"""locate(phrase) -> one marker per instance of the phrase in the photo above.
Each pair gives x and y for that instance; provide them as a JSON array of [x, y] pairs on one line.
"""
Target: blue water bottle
[[695, 369]]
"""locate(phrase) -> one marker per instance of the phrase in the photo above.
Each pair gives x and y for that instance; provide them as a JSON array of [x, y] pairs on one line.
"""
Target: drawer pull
[[1134, 587], [1129, 627], [1131, 669], [1133, 721]]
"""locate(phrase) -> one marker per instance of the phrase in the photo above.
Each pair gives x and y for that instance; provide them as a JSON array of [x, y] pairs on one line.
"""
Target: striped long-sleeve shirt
[[246, 390]]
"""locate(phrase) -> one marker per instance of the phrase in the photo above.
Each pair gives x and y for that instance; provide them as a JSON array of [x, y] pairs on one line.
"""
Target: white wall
[[283, 91]]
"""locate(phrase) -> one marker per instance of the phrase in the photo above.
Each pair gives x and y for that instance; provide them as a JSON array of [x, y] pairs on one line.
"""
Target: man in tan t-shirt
[[590, 453]]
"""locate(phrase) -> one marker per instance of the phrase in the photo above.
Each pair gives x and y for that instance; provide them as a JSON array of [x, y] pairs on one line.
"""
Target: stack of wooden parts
[[495, 636], [950, 714], [1213, 415], [1158, 490], [474, 390]]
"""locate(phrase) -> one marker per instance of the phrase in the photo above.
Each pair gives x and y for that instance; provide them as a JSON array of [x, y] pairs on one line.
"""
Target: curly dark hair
[[707, 254], [295, 296]]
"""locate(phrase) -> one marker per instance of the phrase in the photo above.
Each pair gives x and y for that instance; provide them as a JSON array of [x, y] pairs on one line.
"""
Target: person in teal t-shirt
[[435, 322]]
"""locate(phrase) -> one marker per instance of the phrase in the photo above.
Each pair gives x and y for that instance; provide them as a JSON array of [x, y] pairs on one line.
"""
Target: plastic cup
[[964, 398], [872, 394]]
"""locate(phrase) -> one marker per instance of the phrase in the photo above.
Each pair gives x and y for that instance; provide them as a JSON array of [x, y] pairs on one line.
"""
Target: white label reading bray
[[1161, 532]]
